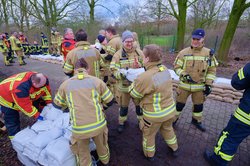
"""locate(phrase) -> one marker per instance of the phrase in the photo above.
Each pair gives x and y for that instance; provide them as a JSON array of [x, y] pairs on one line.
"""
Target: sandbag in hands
[[131, 74]]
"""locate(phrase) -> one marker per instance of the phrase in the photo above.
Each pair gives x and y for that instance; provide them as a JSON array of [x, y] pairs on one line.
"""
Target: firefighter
[[156, 101], [54, 41], [37, 49], [10, 52], [21, 92], [68, 42], [83, 49], [17, 48], [24, 42], [127, 57], [238, 127], [45, 44], [114, 44], [85, 97], [196, 68], [4, 50], [100, 45]]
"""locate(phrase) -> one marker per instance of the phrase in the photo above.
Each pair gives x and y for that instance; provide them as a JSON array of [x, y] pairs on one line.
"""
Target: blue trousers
[[229, 140], [11, 120]]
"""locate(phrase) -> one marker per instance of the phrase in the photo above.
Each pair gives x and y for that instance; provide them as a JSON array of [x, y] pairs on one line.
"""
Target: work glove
[[188, 78], [40, 118], [108, 57], [207, 90]]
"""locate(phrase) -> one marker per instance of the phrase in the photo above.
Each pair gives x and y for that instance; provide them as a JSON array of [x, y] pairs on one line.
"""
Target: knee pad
[[198, 107], [138, 110], [123, 111], [180, 106]]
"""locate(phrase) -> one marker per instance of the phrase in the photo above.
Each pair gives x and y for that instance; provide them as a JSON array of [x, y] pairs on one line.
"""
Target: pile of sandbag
[[48, 58], [47, 142], [221, 90]]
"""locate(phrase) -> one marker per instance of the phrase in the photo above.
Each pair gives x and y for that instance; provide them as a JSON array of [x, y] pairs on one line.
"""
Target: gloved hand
[[123, 76], [207, 90], [188, 78], [108, 57], [40, 118]]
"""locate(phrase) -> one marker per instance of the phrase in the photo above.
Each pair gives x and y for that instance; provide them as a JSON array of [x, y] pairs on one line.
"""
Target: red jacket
[[67, 45], [17, 92]]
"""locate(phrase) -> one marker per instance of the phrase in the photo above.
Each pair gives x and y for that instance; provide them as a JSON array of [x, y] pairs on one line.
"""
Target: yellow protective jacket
[[15, 43], [83, 50], [125, 59], [114, 44], [198, 64], [3, 47], [154, 90], [84, 95]]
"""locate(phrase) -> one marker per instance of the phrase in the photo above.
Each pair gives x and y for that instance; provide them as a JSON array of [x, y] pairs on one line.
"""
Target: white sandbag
[[58, 151], [34, 146], [43, 158], [25, 160], [92, 146], [40, 126], [62, 121], [51, 113], [67, 132], [134, 73], [21, 138]]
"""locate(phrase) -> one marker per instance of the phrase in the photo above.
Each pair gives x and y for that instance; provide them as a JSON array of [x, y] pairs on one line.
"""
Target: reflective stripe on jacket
[[84, 96], [18, 93]]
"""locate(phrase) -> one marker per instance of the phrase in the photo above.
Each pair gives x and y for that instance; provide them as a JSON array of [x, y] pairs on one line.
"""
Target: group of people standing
[[96, 82]]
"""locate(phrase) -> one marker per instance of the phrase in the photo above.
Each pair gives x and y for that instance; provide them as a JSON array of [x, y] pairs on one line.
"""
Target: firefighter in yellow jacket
[[85, 97], [127, 57], [4, 49], [196, 66], [83, 50], [154, 90], [114, 44], [17, 48]]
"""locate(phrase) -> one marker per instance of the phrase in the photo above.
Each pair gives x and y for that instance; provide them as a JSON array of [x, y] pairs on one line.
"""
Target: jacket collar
[[81, 43], [150, 65]]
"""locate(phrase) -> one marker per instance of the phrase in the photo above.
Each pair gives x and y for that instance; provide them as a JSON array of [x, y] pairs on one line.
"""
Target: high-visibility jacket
[[114, 44], [198, 63], [241, 81], [18, 93], [67, 45], [84, 95], [23, 39], [44, 41], [154, 90], [83, 50], [15, 43], [3, 46], [125, 59]]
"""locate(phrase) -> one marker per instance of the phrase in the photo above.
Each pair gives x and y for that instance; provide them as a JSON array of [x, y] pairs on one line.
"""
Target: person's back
[[83, 50]]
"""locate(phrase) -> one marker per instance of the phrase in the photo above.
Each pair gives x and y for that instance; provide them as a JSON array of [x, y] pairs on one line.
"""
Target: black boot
[[208, 157], [198, 125]]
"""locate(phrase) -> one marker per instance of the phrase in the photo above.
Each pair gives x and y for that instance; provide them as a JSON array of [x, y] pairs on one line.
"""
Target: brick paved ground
[[126, 147]]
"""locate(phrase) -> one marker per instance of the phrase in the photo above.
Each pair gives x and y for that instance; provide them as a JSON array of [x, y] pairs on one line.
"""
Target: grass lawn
[[164, 41]]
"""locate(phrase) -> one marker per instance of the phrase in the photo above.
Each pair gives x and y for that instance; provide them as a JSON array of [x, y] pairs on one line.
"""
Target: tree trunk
[[182, 7], [92, 12], [227, 39], [6, 20]]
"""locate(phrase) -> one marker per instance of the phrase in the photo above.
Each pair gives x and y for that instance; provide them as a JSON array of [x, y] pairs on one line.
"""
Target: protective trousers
[[198, 99], [80, 147], [123, 100], [19, 54], [55, 49], [149, 131], [229, 140], [11, 120], [6, 61]]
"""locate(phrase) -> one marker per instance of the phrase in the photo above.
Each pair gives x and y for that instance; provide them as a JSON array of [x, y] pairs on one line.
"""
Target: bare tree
[[238, 8], [4, 13], [156, 10], [171, 8], [204, 12]]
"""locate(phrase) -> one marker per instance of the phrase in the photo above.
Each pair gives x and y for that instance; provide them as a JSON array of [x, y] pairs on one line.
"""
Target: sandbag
[[21, 138], [40, 126], [228, 100]]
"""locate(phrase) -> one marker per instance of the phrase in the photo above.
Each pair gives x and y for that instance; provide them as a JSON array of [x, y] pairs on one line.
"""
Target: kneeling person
[[84, 95], [154, 90]]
